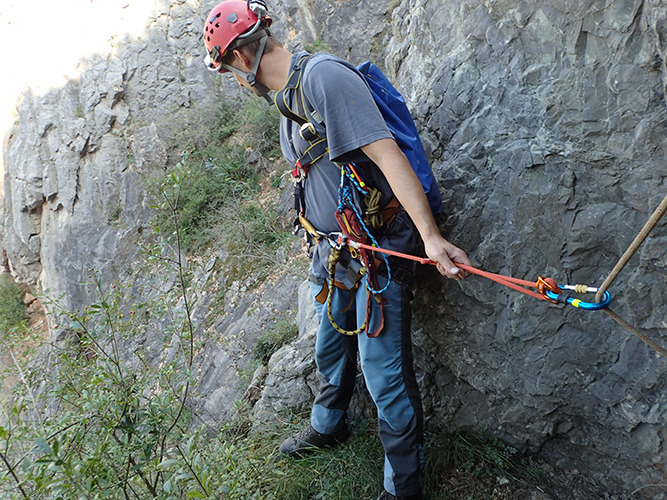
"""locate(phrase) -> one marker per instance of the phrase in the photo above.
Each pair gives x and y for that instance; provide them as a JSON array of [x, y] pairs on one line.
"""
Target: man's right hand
[[441, 251]]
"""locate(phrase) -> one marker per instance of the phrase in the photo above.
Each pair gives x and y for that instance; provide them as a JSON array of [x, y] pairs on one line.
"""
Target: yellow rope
[[373, 217], [334, 257]]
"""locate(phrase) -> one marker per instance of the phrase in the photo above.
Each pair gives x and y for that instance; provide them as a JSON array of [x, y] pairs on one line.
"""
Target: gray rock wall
[[545, 122], [547, 125]]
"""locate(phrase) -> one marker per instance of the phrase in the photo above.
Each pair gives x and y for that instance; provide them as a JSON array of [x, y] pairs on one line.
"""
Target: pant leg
[[387, 366], [336, 359]]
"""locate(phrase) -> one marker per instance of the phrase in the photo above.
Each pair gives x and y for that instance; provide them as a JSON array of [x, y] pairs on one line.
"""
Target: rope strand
[[636, 332], [639, 239]]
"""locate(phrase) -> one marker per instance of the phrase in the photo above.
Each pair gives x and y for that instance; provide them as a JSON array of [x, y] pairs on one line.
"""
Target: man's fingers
[[447, 256], [449, 269]]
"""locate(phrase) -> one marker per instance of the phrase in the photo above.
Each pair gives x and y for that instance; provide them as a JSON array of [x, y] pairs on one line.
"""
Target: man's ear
[[243, 59]]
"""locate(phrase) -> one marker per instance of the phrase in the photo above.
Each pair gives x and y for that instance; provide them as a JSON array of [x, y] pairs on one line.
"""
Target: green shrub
[[254, 124], [226, 123], [318, 45], [259, 127], [249, 465], [282, 333], [476, 459], [217, 184], [106, 424], [206, 188], [12, 309], [252, 234]]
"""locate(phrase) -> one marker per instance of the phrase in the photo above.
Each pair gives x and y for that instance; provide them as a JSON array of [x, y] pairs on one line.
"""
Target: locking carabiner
[[562, 298]]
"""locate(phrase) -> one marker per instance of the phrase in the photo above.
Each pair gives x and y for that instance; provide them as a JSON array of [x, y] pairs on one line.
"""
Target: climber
[[238, 40]]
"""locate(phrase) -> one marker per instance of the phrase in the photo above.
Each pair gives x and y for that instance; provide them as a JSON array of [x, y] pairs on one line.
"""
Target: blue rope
[[345, 195], [353, 180]]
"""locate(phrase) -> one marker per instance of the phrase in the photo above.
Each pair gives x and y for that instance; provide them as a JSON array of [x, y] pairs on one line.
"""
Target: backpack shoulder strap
[[294, 84], [300, 113]]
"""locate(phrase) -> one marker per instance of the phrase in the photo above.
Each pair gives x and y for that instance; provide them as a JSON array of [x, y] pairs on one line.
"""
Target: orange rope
[[513, 283]]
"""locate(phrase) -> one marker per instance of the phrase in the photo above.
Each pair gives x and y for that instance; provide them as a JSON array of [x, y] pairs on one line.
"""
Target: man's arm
[[386, 154]]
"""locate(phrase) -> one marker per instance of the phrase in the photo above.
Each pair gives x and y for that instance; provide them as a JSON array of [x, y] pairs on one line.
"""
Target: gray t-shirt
[[341, 99]]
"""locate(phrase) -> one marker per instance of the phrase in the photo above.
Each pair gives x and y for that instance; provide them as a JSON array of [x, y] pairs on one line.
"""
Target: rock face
[[546, 123]]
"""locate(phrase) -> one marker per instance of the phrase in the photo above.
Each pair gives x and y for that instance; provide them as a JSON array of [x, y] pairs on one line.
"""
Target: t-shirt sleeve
[[346, 105]]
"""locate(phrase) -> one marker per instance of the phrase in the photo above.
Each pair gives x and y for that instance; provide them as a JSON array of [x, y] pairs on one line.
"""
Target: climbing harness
[[348, 215], [355, 227], [360, 214]]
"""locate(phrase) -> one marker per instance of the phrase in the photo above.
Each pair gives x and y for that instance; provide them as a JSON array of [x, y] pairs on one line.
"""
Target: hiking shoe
[[308, 440], [385, 495]]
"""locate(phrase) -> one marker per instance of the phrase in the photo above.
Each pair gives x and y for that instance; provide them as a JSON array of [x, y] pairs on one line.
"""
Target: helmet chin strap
[[251, 77]]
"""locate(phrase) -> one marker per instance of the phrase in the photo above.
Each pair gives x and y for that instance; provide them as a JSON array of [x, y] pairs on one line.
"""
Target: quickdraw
[[547, 288]]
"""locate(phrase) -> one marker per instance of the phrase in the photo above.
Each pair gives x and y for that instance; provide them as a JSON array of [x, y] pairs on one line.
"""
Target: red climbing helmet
[[231, 24]]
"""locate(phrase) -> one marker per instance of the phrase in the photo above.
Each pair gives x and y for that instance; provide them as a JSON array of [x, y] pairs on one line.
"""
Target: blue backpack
[[399, 120], [395, 113]]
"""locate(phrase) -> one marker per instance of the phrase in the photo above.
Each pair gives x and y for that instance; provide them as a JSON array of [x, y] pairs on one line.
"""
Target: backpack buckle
[[308, 132]]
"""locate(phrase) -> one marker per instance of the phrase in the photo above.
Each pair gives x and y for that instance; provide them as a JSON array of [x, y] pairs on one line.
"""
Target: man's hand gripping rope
[[447, 258]]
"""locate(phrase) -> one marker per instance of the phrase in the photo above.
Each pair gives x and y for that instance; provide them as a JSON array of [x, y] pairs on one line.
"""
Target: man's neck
[[274, 68]]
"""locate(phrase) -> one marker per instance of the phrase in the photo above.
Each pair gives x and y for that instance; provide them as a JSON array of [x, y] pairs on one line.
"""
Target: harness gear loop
[[334, 257]]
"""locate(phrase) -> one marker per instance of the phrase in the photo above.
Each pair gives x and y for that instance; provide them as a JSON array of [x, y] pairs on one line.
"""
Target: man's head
[[238, 25]]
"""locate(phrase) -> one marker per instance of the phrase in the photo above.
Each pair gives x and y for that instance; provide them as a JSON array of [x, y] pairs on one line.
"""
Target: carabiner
[[337, 240], [561, 298]]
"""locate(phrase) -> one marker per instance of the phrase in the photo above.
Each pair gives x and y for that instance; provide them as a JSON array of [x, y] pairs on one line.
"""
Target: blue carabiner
[[589, 306]]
